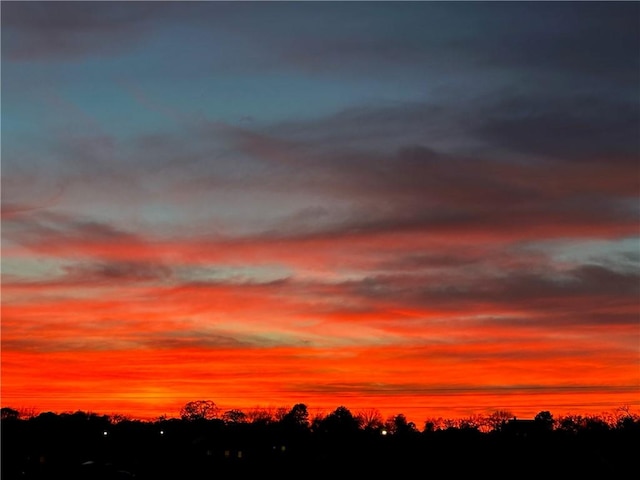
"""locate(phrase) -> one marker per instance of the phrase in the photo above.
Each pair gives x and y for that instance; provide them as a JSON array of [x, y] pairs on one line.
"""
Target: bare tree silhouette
[[199, 410]]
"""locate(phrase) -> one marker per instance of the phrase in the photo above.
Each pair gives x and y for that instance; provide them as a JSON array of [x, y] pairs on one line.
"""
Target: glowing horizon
[[420, 208]]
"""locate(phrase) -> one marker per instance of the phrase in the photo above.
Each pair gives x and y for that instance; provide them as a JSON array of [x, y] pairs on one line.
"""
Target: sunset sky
[[427, 208]]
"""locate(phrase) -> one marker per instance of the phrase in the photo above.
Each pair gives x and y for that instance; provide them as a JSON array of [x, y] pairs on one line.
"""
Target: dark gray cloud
[[592, 43], [584, 294], [559, 124], [422, 189], [194, 338], [357, 389], [116, 272], [569, 127], [589, 41], [47, 231], [91, 337], [44, 30]]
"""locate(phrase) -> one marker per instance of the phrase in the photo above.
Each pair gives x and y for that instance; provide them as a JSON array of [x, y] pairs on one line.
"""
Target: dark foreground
[[205, 450]]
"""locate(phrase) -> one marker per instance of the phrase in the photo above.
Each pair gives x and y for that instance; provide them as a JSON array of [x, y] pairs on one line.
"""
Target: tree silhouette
[[399, 425], [544, 420], [571, 423], [370, 419], [80, 445], [234, 416], [498, 419], [7, 413], [298, 416], [199, 410], [341, 421], [259, 416]]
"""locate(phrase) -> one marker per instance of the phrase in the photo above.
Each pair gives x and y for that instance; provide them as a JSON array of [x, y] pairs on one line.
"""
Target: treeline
[[290, 443]]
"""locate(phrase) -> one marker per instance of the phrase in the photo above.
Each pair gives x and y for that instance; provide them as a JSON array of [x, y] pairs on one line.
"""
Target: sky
[[426, 208]]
